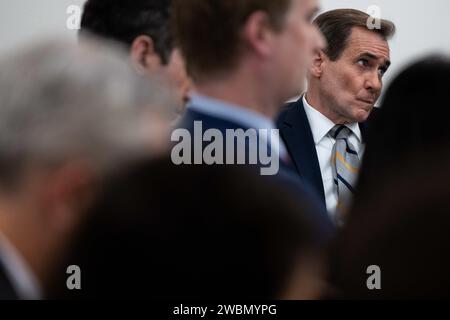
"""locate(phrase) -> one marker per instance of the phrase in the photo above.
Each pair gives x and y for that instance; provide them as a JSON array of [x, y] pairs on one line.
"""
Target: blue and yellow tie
[[345, 166]]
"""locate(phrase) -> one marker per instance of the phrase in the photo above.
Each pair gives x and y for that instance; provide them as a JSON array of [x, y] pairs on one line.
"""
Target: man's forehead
[[312, 5], [363, 40]]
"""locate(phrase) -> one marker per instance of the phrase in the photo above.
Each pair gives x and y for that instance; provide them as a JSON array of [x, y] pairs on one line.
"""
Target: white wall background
[[22, 21], [423, 25]]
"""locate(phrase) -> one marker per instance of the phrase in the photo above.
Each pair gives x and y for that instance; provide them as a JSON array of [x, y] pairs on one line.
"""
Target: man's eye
[[381, 72], [363, 62]]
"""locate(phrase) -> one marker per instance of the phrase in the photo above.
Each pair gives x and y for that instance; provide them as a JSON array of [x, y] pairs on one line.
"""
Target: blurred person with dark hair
[[246, 58], [69, 116], [217, 239], [401, 230], [410, 122], [143, 26], [325, 129]]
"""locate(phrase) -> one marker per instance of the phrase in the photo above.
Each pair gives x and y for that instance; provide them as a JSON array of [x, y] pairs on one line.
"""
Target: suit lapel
[[363, 128], [296, 133]]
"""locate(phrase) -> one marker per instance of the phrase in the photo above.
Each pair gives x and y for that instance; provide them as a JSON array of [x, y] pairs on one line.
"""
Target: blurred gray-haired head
[[60, 101]]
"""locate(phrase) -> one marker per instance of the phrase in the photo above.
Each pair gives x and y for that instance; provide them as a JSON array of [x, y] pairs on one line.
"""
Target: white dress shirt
[[237, 114], [320, 127], [22, 279]]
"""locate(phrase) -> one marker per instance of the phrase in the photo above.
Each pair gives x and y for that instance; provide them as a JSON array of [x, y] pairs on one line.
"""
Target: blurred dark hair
[[404, 229], [187, 232], [412, 122], [337, 26], [125, 20], [208, 31]]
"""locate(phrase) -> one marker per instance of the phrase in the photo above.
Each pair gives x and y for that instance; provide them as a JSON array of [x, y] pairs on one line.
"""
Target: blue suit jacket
[[296, 133], [286, 176]]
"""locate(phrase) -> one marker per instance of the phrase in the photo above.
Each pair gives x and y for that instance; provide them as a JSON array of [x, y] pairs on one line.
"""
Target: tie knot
[[340, 132]]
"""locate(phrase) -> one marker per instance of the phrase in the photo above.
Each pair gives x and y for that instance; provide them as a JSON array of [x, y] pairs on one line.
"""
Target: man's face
[[352, 84], [174, 72], [177, 75], [296, 45]]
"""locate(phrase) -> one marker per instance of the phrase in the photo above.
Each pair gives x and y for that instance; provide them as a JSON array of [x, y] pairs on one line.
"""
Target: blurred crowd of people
[[87, 176]]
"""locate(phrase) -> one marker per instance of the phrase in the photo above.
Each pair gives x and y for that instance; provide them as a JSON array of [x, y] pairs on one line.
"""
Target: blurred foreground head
[[223, 232], [69, 116], [402, 228], [400, 219], [261, 47], [411, 123]]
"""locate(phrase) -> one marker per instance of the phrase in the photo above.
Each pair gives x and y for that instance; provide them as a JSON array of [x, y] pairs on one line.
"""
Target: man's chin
[[362, 114]]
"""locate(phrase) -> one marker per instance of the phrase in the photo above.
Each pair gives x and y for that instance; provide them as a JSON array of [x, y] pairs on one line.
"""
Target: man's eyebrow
[[370, 55]]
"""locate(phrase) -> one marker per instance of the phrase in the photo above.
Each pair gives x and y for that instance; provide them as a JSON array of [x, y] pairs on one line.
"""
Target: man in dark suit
[[324, 130], [240, 82]]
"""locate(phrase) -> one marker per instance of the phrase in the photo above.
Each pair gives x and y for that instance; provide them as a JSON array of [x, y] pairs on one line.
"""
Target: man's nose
[[373, 83]]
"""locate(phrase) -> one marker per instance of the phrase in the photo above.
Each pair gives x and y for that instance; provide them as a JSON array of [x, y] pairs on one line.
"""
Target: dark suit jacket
[[296, 133], [7, 291], [286, 176]]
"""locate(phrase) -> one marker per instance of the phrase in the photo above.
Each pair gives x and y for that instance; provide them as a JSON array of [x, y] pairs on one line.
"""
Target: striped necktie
[[345, 165]]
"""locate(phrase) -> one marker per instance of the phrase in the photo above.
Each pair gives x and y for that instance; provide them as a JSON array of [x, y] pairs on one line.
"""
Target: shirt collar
[[19, 273], [321, 125], [228, 111]]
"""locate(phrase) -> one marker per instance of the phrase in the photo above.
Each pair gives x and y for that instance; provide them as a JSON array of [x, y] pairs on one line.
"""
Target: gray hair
[[60, 101]]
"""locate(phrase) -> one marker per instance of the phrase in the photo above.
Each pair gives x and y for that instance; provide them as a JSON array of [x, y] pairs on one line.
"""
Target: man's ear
[[258, 33], [319, 60], [143, 55], [68, 193]]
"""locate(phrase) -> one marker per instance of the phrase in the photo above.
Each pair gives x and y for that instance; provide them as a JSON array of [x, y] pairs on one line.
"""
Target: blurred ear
[[143, 55], [319, 61], [68, 192], [258, 34]]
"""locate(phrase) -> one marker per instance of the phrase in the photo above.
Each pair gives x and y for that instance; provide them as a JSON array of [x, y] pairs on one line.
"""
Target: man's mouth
[[368, 101]]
